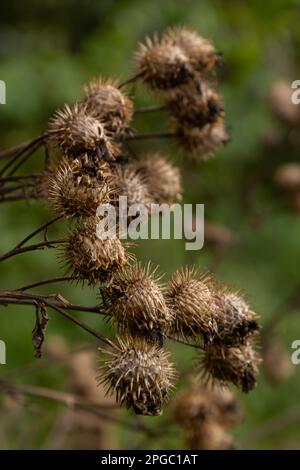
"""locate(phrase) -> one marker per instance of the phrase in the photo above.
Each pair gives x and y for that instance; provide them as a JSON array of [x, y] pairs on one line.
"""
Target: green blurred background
[[47, 51]]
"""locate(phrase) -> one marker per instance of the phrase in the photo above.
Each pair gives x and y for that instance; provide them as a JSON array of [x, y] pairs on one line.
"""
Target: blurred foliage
[[47, 50]]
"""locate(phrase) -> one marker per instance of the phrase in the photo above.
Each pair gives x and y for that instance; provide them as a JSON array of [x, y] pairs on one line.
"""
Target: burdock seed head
[[191, 300], [200, 403], [140, 375], [192, 407], [107, 103], [201, 143], [196, 104], [236, 365], [236, 321], [211, 435], [90, 258], [75, 131], [200, 50], [162, 177], [130, 183], [135, 302], [162, 65], [76, 187]]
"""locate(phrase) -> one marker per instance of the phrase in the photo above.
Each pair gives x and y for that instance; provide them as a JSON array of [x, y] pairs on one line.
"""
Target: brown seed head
[[200, 50], [210, 436], [75, 131], [76, 188], [135, 301], [195, 105], [236, 365], [201, 143], [236, 321], [162, 65], [191, 300], [90, 258], [162, 177], [107, 103], [140, 374], [133, 185], [200, 403]]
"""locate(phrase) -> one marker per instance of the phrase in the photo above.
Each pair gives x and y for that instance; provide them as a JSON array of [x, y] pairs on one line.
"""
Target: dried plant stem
[[19, 177], [67, 399], [130, 80], [150, 136], [19, 197], [11, 189], [151, 109], [19, 299], [38, 230], [46, 281], [191, 345], [13, 151], [35, 246]]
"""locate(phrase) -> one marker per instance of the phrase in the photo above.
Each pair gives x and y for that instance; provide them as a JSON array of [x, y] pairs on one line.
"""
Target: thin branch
[[68, 399], [36, 246], [191, 345], [11, 189], [4, 179], [38, 230], [25, 157], [150, 136], [20, 298], [46, 281], [19, 197], [151, 109], [16, 152], [130, 80]]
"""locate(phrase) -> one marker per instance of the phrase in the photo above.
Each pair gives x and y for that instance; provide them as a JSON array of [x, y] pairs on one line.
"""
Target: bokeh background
[[47, 51]]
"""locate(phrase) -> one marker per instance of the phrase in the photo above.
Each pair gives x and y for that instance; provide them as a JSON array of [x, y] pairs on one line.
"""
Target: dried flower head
[[200, 50], [133, 185], [135, 302], [193, 407], [107, 103], [236, 321], [195, 105], [236, 365], [162, 177], [191, 300], [140, 374], [90, 258], [162, 65], [201, 143], [210, 436], [75, 131], [76, 187], [229, 410], [200, 403]]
